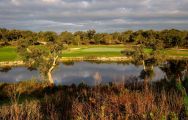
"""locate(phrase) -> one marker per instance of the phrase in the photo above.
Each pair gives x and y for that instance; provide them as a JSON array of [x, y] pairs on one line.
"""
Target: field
[[177, 52], [91, 51], [114, 51], [10, 54]]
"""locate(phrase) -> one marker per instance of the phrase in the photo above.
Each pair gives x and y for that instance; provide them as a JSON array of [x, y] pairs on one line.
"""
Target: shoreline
[[97, 59], [102, 59], [67, 59], [11, 63]]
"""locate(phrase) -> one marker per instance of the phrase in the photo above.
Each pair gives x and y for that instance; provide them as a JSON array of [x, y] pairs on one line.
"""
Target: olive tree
[[42, 57], [148, 58]]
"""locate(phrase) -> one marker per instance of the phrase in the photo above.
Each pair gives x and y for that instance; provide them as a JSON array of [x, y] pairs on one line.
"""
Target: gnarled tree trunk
[[49, 74]]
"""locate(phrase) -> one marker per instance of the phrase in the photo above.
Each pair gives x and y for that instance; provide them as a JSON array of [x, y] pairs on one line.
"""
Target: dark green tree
[[44, 58], [66, 37], [90, 34]]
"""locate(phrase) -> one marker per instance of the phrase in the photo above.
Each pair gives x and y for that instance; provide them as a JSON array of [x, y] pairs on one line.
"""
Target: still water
[[82, 72]]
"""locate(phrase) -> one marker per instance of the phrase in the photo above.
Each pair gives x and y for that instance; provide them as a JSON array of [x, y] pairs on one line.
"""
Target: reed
[[102, 102]]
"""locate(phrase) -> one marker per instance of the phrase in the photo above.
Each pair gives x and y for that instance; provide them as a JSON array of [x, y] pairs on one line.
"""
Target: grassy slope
[[176, 52], [89, 51], [9, 53]]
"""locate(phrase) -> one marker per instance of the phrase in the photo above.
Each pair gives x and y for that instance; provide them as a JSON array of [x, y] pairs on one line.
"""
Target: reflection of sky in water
[[17, 74], [81, 72]]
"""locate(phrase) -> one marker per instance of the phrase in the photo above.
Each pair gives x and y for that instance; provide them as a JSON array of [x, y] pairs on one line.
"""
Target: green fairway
[[94, 51], [8, 54], [176, 52]]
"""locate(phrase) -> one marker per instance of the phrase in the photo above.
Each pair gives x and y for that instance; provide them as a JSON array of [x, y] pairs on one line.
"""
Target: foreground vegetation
[[38, 101]]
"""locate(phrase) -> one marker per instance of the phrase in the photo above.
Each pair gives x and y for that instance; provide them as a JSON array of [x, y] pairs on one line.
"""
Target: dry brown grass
[[130, 105], [26, 111], [112, 102]]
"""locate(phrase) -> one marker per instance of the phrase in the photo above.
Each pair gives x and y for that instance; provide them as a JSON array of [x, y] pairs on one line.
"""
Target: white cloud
[[102, 15], [85, 4], [50, 1], [16, 2], [119, 21]]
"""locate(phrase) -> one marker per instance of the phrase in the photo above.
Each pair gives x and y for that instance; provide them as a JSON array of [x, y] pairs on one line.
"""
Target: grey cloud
[[102, 15]]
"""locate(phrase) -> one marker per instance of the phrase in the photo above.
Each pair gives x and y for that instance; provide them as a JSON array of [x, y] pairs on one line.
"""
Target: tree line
[[149, 38]]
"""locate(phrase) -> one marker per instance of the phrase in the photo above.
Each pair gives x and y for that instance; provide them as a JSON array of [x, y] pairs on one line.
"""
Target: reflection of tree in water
[[147, 59], [98, 78], [147, 74], [69, 63], [31, 68], [5, 69], [176, 72], [174, 69]]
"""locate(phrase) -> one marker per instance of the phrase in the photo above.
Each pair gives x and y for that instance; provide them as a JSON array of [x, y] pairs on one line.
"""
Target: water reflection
[[16, 74], [176, 72], [88, 73], [5, 69], [175, 69]]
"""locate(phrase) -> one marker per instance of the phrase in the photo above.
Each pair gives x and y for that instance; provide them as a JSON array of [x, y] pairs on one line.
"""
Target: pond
[[82, 72], [93, 73]]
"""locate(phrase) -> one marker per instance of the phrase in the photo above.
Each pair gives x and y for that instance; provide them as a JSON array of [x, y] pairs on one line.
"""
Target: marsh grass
[[130, 105], [30, 100]]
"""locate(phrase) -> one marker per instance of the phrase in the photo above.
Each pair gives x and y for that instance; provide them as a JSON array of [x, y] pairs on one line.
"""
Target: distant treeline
[[149, 38]]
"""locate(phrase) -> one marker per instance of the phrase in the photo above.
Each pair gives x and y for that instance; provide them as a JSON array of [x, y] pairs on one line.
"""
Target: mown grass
[[9, 53], [113, 51], [176, 52], [93, 51]]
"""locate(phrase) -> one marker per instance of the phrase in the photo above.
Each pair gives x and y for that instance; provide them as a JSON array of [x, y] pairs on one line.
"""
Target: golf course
[[9, 53], [93, 60]]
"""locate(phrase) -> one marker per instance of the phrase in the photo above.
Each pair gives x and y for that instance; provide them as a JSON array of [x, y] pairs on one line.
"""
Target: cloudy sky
[[102, 15]]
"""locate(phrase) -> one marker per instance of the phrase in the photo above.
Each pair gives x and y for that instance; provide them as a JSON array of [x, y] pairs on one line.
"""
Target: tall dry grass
[[108, 102], [130, 105]]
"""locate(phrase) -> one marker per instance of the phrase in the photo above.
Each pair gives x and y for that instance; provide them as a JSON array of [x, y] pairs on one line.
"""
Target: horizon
[[59, 32], [101, 15]]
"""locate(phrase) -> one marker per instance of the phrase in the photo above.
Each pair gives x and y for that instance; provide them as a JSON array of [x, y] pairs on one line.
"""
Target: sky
[[101, 15]]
